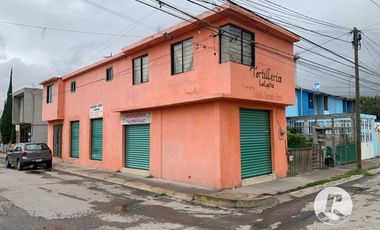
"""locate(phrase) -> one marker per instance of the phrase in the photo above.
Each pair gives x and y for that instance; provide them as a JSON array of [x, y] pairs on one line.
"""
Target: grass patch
[[374, 167], [150, 176], [331, 179]]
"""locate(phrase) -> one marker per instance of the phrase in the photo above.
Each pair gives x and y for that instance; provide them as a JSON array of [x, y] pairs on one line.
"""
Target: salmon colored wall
[[189, 141], [208, 79], [230, 140], [55, 109], [196, 143]]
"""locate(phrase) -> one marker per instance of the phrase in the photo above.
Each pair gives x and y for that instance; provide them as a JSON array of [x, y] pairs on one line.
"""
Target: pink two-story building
[[193, 103]]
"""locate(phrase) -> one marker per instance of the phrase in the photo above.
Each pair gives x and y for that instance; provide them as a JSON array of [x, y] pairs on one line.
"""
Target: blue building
[[309, 103]]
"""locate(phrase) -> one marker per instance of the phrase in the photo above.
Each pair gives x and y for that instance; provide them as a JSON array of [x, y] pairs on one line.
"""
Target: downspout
[[296, 57]]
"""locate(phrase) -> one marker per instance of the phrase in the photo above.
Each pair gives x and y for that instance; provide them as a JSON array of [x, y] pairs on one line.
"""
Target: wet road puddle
[[127, 208]]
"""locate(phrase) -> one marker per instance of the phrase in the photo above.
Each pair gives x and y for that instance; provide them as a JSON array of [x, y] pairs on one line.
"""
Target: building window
[[237, 45], [109, 74], [325, 103], [182, 56], [310, 98], [140, 70], [73, 86], [344, 106], [49, 94]]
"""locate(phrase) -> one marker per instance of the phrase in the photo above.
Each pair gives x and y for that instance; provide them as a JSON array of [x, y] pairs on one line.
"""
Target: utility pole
[[356, 44]]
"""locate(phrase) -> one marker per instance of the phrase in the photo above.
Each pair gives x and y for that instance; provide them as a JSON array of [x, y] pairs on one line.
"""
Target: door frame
[[57, 136]]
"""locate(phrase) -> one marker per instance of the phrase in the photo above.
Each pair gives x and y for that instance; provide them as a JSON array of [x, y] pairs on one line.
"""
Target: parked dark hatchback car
[[27, 154]]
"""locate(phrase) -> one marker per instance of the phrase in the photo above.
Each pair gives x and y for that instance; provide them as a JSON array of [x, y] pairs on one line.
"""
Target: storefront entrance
[[255, 143]]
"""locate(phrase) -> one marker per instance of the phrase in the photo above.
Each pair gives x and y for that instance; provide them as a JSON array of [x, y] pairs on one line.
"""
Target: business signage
[[96, 111], [136, 118], [267, 78]]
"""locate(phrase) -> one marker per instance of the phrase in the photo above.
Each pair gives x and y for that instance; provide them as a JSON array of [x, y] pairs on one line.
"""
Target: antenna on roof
[[108, 55], [160, 28]]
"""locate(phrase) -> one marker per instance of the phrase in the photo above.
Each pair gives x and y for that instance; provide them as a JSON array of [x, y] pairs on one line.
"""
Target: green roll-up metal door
[[137, 147], [75, 139], [96, 139], [255, 143]]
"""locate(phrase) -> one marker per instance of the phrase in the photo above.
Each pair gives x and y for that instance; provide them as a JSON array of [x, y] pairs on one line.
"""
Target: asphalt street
[[40, 199]]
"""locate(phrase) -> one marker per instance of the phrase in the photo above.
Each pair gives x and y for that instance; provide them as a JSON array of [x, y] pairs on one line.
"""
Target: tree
[[370, 105], [7, 129]]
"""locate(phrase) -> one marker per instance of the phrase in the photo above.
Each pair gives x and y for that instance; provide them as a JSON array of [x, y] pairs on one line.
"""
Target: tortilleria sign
[[267, 78], [136, 118], [96, 111]]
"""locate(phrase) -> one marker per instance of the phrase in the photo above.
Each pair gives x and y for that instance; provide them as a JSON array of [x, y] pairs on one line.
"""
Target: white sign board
[[136, 118], [96, 111]]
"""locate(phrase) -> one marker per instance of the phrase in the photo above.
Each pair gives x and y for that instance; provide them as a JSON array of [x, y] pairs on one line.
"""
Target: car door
[[16, 152]]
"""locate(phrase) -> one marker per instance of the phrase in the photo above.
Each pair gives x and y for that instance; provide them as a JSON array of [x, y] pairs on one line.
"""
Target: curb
[[212, 200], [310, 190], [135, 185], [262, 201]]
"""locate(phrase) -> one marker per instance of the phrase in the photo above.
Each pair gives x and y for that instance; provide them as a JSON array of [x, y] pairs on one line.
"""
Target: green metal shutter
[[96, 139], [75, 139], [137, 146], [255, 143]]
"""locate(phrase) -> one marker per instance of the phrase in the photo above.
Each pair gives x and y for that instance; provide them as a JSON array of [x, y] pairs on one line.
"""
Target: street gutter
[[214, 199]]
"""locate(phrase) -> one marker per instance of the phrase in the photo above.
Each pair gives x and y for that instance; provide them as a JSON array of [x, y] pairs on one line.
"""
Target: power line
[[66, 30], [119, 14], [282, 21], [323, 43], [369, 71], [375, 3], [306, 16], [206, 25]]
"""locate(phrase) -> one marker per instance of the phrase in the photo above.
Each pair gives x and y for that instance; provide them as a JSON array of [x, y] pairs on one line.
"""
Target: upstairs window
[[182, 56], [310, 98], [49, 94], [73, 86], [326, 103], [109, 74], [237, 45], [140, 70]]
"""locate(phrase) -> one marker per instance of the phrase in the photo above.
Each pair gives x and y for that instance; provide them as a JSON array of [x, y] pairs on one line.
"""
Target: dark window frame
[[109, 77], [49, 93], [172, 56], [141, 69], [73, 86], [325, 103], [253, 50], [310, 100]]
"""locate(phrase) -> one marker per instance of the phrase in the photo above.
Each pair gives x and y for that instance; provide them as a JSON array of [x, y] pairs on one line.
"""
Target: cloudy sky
[[44, 38]]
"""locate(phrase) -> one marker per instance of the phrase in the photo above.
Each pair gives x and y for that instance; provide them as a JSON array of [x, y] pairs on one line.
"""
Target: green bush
[[297, 140]]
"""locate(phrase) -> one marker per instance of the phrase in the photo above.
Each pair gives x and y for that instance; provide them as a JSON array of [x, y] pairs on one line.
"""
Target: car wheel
[[48, 165], [19, 165], [7, 163]]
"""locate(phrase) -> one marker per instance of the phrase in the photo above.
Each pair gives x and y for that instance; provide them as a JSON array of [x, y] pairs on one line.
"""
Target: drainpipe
[[296, 57]]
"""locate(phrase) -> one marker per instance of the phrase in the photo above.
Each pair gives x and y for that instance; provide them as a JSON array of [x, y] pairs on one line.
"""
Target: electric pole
[[356, 44]]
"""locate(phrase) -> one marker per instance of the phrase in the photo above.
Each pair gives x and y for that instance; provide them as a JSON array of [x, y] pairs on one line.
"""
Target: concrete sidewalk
[[257, 195]]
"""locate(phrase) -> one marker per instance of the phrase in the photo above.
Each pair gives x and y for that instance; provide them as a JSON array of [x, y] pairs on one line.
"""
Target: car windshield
[[35, 147]]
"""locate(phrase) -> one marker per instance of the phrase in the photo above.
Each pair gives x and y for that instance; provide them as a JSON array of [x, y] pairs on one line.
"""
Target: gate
[[57, 140]]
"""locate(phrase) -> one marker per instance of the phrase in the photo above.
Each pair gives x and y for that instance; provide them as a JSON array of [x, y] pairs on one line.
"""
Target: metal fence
[[333, 134]]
